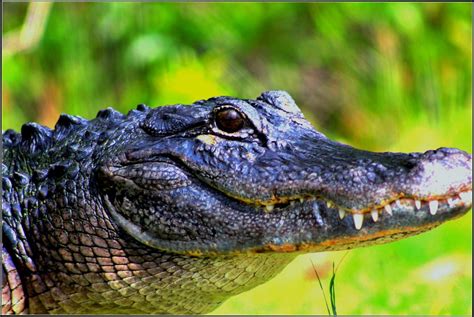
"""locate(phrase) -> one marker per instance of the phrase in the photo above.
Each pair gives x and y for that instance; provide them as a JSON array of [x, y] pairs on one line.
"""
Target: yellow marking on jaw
[[286, 247], [208, 139]]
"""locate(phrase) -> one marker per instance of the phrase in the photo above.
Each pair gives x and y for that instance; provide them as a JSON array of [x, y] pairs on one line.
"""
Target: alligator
[[177, 208]]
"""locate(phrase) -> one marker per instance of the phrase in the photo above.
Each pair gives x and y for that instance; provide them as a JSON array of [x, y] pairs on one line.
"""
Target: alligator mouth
[[390, 221], [305, 216], [298, 223], [397, 203], [432, 204]]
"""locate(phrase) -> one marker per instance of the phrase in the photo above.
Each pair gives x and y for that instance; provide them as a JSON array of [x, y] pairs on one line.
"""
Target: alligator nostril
[[438, 154]]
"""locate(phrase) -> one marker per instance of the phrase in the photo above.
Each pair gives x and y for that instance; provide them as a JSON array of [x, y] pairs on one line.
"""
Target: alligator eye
[[229, 120]]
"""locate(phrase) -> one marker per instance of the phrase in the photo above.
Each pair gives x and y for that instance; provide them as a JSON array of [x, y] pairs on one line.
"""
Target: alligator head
[[231, 175]]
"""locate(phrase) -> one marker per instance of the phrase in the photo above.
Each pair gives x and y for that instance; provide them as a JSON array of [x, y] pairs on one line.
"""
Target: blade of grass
[[321, 286], [332, 291], [332, 285]]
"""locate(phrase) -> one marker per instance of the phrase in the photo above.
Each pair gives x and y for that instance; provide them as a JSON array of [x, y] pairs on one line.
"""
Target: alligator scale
[[177, 208]]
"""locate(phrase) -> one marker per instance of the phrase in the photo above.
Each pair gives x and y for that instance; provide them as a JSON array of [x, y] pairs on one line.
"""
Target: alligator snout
[[358, 181], [439, 173]]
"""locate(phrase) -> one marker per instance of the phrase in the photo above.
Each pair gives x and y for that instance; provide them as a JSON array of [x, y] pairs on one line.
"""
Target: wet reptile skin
[[158, 211]]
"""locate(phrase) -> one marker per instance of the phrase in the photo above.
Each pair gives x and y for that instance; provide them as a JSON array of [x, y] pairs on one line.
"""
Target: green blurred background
[[377, 76]]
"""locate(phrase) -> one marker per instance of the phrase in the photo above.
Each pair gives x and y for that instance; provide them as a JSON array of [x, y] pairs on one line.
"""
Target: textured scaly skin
[[160, 212]]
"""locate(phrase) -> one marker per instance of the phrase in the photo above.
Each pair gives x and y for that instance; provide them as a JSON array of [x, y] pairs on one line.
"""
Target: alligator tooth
[[466, 197], [388, 209], [451, 202], [301, 200], [342, 213], [329, 204], [418, 204], [433, 207], [269, 208], [358, 219], [399, 203], [375, 215]]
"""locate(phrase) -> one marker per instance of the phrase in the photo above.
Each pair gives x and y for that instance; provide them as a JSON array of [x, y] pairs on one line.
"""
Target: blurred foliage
[[390, 76]]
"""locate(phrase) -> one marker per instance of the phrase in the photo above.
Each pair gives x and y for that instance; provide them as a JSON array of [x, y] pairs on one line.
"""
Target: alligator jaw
[[396, 220], [315, 216], [452, 199]]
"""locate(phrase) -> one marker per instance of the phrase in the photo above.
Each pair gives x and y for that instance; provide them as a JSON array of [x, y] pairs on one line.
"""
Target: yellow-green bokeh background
[[391, 76]]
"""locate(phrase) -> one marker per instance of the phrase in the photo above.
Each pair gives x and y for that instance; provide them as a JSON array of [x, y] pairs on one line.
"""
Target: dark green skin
[[161, 211]]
